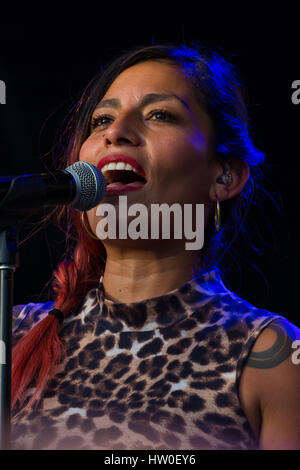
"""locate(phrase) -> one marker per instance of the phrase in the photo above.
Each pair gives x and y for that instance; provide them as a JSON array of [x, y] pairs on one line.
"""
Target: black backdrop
[[46, 65]]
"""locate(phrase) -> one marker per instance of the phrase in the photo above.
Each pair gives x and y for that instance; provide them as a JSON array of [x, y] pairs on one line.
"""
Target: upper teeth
[[118, 166]]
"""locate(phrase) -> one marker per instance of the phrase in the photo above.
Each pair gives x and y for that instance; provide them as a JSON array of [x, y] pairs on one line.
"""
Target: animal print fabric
[[161, 373]]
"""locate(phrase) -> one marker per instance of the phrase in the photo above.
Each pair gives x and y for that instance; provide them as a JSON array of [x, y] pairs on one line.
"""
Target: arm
[[273, 368]]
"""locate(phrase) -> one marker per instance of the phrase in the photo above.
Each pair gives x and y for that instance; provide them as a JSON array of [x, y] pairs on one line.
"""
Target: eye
[[101, 120], [162, 115]]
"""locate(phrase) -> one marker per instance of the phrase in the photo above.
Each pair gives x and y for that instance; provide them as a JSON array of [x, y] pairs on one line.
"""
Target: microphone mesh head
[[90, 185]]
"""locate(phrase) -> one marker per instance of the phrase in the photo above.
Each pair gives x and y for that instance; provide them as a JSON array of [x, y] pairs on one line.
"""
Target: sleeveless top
[[161, 373]]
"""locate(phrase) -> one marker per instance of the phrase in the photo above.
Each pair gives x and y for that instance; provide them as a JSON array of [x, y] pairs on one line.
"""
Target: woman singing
[[142, 346]]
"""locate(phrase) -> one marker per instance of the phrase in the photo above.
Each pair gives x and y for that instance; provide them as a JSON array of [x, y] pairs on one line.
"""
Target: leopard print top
[[161, 373]]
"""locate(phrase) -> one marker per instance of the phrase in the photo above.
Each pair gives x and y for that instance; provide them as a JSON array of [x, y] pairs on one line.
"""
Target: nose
[[122, 132]]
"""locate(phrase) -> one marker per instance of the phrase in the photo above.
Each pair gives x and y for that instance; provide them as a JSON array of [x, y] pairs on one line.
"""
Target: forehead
[[153, 77], [148, 77]]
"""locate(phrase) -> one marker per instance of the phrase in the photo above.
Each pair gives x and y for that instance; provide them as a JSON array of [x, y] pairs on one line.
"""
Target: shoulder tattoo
[[278, 352]]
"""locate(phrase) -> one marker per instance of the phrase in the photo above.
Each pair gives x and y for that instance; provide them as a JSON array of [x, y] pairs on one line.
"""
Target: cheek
[[182, 168], [88, 151], [181, 154], [199, 142]]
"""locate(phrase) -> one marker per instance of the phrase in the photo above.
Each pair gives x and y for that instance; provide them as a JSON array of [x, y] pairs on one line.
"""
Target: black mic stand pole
[[9, 261], [12, 216]]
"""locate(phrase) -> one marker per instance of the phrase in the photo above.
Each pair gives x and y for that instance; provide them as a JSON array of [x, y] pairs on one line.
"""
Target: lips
[[122, 173]]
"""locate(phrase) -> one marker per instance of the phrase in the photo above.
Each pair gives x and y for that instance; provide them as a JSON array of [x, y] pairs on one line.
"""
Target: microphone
[[81, 186]]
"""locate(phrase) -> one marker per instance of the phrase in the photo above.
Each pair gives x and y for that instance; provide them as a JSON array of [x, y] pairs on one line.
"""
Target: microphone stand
[[37, 192], [9, 261], [12, 215]]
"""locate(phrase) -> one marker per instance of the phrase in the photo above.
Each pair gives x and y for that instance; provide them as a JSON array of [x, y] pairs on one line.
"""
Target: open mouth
[[122, 176]]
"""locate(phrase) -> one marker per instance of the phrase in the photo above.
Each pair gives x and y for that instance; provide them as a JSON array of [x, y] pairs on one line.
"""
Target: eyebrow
[[147, 99]]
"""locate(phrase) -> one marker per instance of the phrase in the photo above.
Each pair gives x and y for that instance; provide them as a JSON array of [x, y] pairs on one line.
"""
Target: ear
[[240, 173]]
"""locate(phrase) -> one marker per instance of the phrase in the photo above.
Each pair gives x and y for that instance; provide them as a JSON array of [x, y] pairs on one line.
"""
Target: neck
[[132, 276]]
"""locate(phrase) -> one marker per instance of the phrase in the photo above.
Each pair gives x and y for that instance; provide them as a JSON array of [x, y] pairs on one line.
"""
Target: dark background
[[46, 65]]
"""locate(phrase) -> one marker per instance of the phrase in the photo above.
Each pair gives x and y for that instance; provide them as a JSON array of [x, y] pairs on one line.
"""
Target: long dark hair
[[218, 89]]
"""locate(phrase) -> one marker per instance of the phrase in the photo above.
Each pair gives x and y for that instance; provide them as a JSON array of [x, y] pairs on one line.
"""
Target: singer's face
[[150, 114]]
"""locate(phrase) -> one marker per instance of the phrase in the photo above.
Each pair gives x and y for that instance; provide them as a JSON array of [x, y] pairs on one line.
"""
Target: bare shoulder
[[276, 343], [270, 386]]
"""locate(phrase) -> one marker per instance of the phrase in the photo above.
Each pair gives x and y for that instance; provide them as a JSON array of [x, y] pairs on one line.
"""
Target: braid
[[36, 354]]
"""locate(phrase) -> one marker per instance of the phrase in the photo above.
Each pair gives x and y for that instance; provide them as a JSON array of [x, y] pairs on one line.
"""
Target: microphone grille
[[90, 185]]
